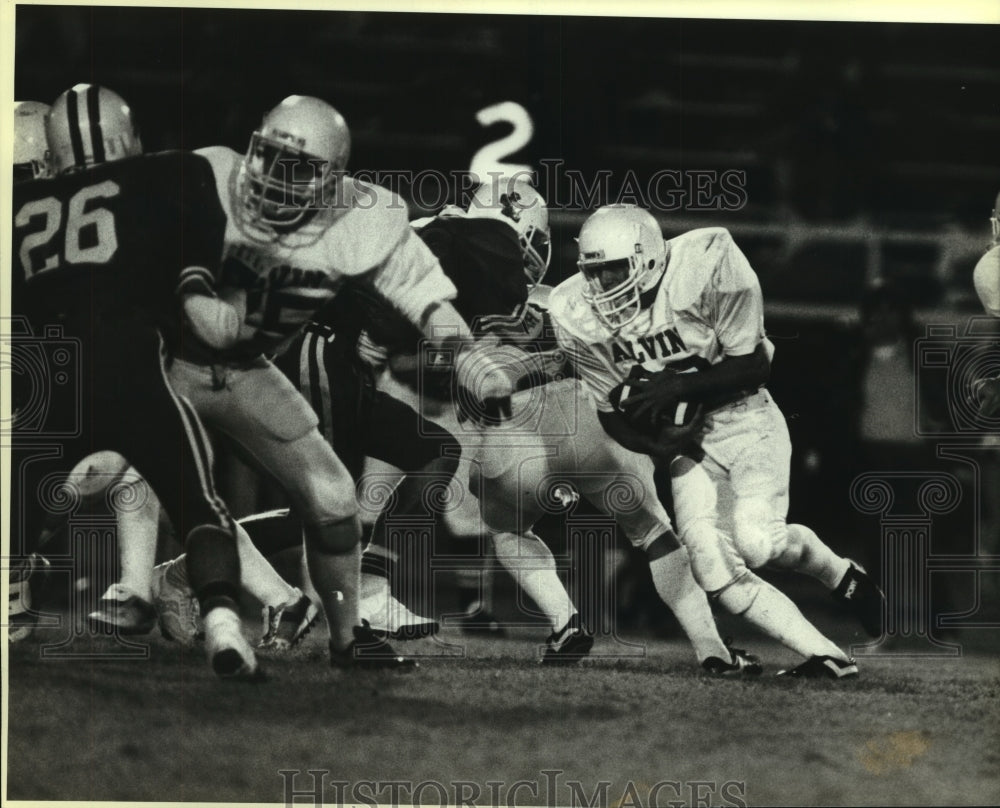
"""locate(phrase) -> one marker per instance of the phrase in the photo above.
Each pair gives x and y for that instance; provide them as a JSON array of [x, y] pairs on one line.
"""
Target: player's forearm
[[441, 323], [215, 322], [730, 376]]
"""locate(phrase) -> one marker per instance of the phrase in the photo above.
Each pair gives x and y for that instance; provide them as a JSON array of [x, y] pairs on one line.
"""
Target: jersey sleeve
[[986, 278], [412, 279], [588, 367], [203, 222], [733, 302]]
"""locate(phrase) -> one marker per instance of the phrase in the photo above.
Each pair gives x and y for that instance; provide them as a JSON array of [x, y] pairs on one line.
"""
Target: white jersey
[[707, 306], [986, 278], [284, 281]]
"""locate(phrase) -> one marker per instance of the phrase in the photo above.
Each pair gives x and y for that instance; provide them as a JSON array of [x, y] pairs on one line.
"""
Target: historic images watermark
[[297, 183], [318, 787]]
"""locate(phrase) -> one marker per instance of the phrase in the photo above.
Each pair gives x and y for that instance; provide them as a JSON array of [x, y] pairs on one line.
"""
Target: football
[[682, 414]]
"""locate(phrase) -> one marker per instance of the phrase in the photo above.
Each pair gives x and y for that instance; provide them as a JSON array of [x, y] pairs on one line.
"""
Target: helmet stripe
[[75, 136], [94, 121]]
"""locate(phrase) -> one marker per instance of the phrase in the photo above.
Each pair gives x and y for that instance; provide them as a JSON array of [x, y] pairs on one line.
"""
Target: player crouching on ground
[[657, 328]]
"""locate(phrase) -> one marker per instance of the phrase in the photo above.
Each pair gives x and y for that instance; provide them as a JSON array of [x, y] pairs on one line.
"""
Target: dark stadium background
[[869, 150]]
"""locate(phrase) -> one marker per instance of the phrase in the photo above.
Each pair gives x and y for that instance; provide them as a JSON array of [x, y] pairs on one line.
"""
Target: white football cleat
[[121, 610], [180, 617], [387, 617], [229, 653]]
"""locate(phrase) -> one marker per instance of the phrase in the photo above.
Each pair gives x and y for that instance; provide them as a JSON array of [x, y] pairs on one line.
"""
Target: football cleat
[[285, 626], [176, 605], [819, 667], [27, 577], [569, 644], [859, 593], [229, 653], [123, 612], [370, 652], [742, 663], [388, 617]]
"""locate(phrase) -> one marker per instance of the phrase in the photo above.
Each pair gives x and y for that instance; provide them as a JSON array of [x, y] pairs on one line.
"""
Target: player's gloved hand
[[654, 397], [370, 352], [987, 393], [683, 439]]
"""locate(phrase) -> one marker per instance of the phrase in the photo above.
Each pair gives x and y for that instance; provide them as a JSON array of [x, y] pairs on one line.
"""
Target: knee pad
[[321, 502], [760, 534], [715, 564], [523, 551], [336, 537], [739, 595], [97, 472]]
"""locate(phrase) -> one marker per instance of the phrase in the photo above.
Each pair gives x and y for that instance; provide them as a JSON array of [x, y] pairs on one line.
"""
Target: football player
[[492, 251], [31, 155], [986, 275], [986, 278], [656, 328], [297, 226], [558, 443], [99, 253], [31, 150]]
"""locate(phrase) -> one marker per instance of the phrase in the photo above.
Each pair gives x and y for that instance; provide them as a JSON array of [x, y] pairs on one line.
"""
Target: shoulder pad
[[222, 159], [370, 231], [693, 259], [573, 314]]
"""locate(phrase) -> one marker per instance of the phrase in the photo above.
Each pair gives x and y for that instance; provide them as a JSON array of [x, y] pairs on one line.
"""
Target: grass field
[[909, 731]]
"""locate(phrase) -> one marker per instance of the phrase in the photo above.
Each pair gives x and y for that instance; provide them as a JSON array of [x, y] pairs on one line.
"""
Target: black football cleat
[[370, 652], [822, 667], [862, 596], [743, 663], [569, 644], [285, 626]]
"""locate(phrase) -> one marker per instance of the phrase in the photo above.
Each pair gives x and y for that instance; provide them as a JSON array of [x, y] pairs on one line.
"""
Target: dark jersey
[[108, 245]]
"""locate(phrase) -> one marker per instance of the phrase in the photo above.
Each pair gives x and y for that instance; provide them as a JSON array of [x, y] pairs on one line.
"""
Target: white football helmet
[[31, 149], [515, 202], [89, 125], [622, 254], [294, 164]]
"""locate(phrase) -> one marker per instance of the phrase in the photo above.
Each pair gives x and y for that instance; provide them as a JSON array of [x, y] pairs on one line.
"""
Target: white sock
[[528, 559], [773, 613], [138, 531], [258, 577], [807, 553], [677, 588]]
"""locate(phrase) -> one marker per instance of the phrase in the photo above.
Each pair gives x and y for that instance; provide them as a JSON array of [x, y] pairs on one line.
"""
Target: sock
[[306, 579], [213, 567], [807, 553], [138, 531], [376, 560], [774, 613], [677, 588], [337, 576], [259, 578], [528, 559]]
